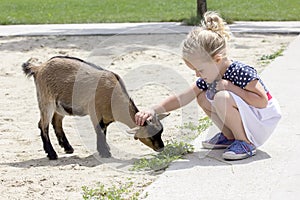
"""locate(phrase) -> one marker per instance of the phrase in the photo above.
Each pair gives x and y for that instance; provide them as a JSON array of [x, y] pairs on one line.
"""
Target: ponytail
[[210, 38], [213, 22]]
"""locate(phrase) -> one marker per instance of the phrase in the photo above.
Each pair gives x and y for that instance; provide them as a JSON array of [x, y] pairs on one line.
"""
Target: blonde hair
[[210, 38]]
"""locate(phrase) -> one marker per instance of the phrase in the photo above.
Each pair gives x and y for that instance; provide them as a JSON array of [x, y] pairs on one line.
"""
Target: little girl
[[229, 92]]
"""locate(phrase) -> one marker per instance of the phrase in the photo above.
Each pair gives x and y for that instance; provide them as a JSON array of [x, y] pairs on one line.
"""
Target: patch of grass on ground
[[114, 192], [172, 151], [195, 130], [273, 55], [266, 59]]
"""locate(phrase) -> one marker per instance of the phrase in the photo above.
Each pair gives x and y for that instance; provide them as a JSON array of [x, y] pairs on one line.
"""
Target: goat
[[71, 86]]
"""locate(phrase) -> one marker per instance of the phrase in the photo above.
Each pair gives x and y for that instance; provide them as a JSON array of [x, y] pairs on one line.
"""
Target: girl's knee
[[222, 98], [221, 95]]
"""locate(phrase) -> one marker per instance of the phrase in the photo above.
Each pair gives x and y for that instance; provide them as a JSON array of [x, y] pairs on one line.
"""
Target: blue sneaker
[[219, 141], [239, 150]]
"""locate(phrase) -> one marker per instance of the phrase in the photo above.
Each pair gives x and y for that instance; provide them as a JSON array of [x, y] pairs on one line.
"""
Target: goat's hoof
[[105, 155], [69, 150], [52, 156]]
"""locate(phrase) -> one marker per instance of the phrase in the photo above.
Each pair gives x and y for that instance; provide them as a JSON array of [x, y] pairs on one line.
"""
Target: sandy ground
[[151, 68]]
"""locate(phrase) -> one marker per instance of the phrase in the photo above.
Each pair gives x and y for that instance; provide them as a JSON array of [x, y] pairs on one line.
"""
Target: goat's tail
[[28, 68]]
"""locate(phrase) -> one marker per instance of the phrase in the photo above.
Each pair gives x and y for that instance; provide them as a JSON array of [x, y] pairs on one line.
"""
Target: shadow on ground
[[214, 158]]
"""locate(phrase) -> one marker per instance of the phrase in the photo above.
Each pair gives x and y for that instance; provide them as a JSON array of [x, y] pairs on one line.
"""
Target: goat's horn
[[133, 130]]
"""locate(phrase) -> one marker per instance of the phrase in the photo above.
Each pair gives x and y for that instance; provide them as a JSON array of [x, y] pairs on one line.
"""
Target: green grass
[[172, 151], [273, 55], [99, 11], [266, 59], [194, 130], [203, 124], [93, 11], [114, 192], [257, 10]]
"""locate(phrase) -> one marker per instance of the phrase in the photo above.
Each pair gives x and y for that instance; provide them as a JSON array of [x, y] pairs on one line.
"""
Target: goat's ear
[[162, 116], [133, 130]]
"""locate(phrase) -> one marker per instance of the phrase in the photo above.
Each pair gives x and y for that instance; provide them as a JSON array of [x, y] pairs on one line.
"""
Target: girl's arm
[[177, 101], [171, 103], [254, 93]]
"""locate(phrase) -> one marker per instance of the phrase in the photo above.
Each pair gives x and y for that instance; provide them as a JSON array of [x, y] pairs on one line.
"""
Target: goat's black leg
[[102, 146], [60, 134], [44, 127], [104, 126]]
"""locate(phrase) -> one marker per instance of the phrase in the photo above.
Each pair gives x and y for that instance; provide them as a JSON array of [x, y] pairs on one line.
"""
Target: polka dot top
[[237, 73]]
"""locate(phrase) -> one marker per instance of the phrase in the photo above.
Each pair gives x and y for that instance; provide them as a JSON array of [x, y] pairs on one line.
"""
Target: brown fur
[[70, 86]]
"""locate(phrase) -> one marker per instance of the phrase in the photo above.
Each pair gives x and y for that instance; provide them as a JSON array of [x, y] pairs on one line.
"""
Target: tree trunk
[[201, 7]]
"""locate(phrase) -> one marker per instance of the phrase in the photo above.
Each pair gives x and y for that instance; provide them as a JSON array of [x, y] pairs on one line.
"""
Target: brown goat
[[70, 86]]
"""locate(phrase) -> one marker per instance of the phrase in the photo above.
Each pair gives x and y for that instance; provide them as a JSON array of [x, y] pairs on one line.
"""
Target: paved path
[[141, 28], [274, 173]]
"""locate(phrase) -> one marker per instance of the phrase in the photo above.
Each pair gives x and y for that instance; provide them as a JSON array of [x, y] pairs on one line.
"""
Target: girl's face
[[208, 70]]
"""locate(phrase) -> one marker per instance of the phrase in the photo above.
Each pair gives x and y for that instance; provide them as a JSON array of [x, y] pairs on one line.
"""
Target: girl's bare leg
[[227, 111], [211, 113]]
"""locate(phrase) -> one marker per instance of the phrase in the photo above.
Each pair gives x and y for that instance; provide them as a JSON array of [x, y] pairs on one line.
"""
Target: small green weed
[[172, 151], [273, 55], [203, 124], [110, 193], [196, 130], [266, 59]]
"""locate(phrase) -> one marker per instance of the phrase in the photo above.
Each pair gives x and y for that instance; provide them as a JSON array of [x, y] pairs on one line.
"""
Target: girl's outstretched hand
[[142, 116]]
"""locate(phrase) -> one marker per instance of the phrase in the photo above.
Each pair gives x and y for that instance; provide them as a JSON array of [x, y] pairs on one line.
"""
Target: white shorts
[[258, 123]]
